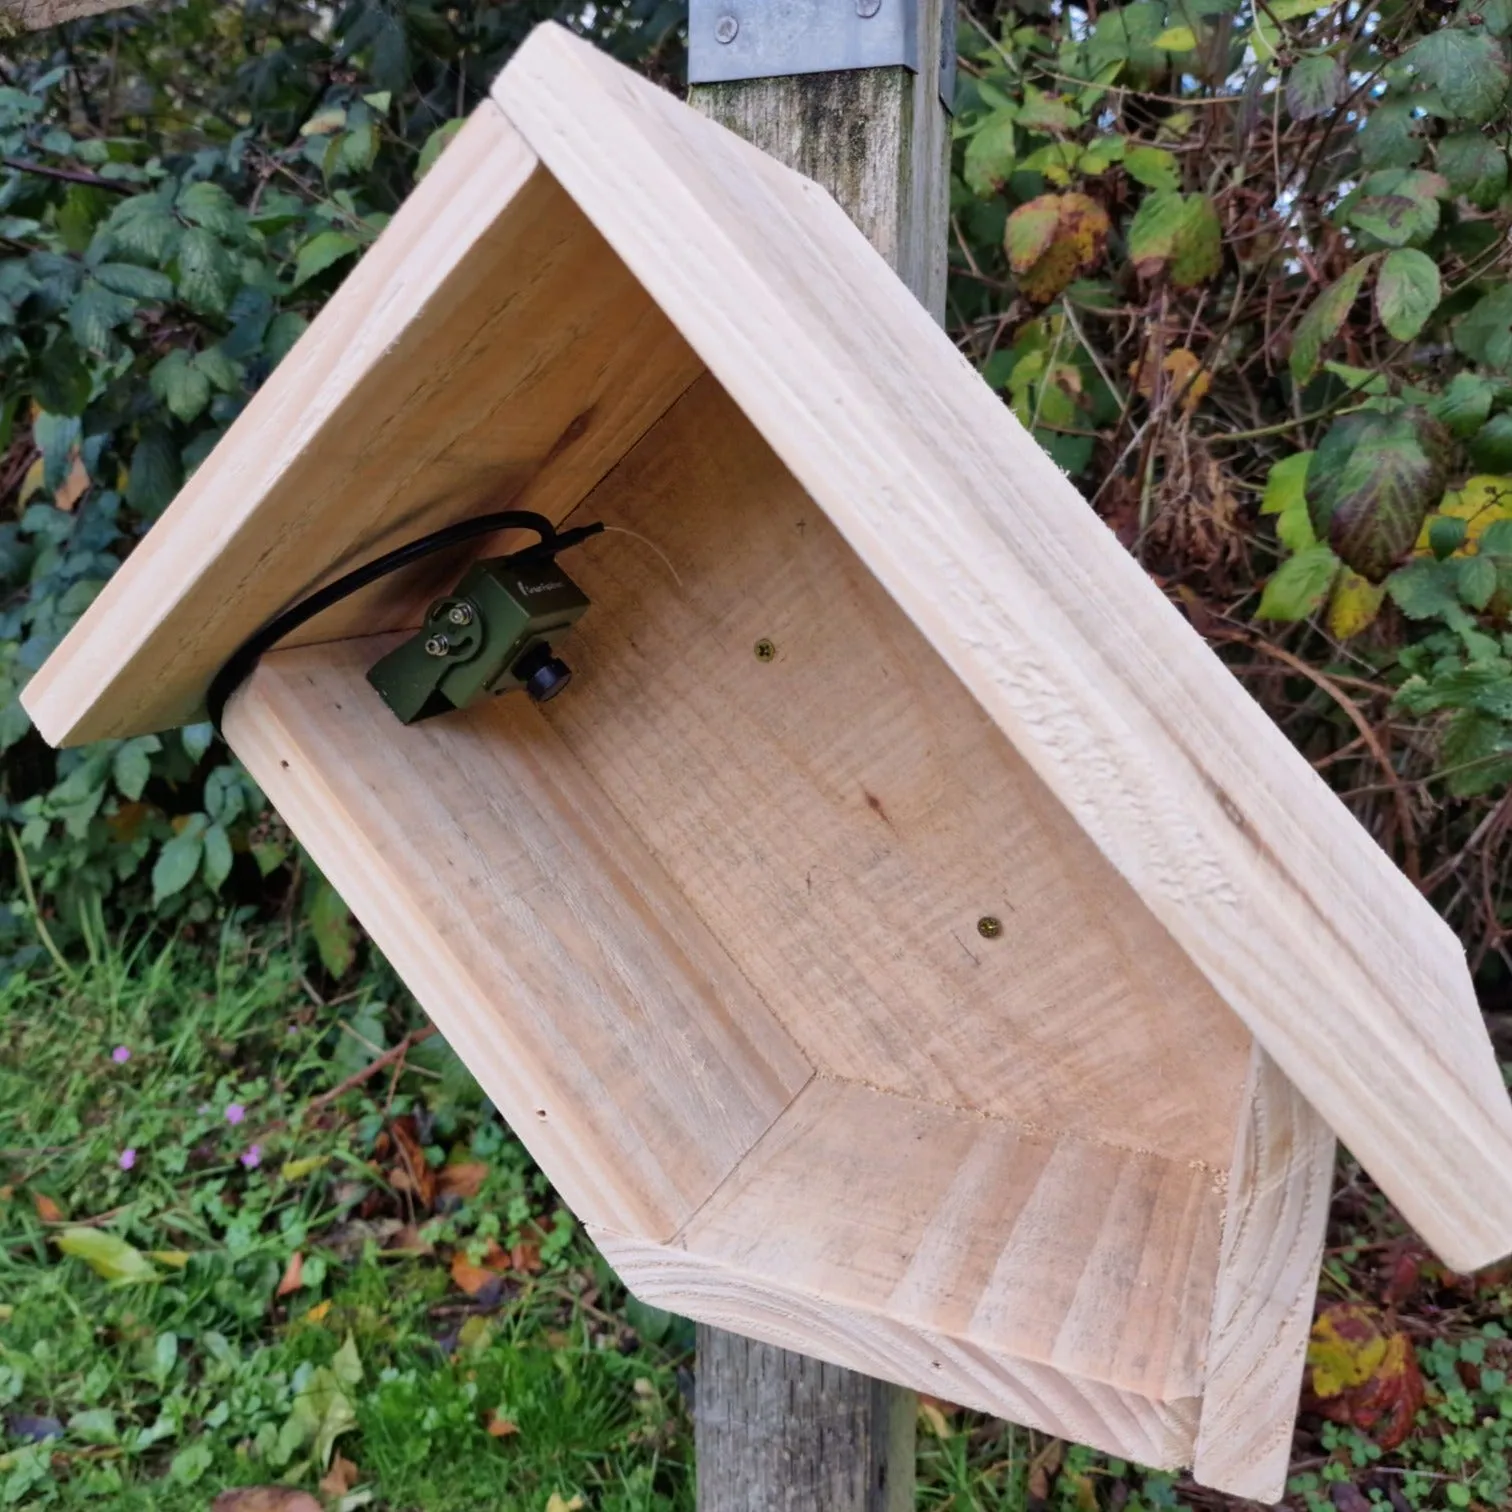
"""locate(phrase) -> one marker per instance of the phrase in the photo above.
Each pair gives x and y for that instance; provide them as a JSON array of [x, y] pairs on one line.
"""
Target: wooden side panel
[[490, 351], [843, 816], [1095, 1261], [1353, 984], [1273, 1233], [606, 1024], [767, 1307]]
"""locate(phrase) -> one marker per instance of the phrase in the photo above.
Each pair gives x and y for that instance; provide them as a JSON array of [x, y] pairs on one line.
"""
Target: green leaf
[[216, 866], [989, 154], [1371, 483], [331, 928], [1049, 113], [1298, 587], [180, 384], [1285, 499], [1474, 166], [283, 332], [1397, 205], [155, 472], [211, 207], [346, 1364], [1126, 35], [1477, 580], [132, 766], [1426, 589], [1468, 68], [96, 1425], [1446, 534], [1485, 333], [1324, 317], [1407, 292], [95, 313], [1491, 446], [1391, 136], [435, 145], [206, 275], [145, 227], [1176, 233], [135, 282], [221, 371], [320, 252], [179, 860], [188, 1466], [1465, 404], [1153, 167], [1473, 742], [107, 1256], [1315, 85]]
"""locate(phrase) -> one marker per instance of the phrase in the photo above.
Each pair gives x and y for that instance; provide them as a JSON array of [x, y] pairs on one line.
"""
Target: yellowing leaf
[[1355, 603], [174, 1259], [557, 1503], [1054, 239], [324, 122], [1185, 377], [317, 1313], [934, 1419], [1364, 1373], [1480, 503], [106, 1255], [297, 1170], [1176, 39]]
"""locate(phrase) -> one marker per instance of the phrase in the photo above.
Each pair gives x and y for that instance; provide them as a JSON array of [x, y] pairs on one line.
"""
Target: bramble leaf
[[1468, 68], [1407, 292], [1324, 317]]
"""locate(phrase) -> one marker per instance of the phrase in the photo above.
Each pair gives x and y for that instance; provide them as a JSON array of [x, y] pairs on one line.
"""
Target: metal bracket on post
[[770, 39]]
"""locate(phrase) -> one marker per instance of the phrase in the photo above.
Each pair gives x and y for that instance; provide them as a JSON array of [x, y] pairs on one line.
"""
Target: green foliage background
[[1241, 266]]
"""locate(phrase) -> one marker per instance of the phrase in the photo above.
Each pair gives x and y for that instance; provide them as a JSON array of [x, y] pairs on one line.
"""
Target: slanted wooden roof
[[470, 359]]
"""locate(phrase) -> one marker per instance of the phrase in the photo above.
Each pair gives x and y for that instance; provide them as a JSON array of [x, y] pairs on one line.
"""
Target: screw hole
[[541, 1114]]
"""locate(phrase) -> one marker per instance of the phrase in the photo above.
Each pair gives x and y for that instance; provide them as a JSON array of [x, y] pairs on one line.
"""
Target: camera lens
[[543, 675]]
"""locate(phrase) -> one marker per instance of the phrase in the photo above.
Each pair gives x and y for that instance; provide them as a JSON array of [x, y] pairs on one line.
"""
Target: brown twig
[[373, 1067], [67, 175]]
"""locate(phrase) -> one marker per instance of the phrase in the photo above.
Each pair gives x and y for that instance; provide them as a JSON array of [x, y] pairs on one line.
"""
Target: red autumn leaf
[[293, 1276], [340, 1478], [1363, 1372], [47, 1210], [500, 1426]]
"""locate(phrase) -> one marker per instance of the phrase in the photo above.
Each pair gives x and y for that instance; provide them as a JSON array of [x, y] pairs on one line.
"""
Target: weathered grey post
[[851, 93]]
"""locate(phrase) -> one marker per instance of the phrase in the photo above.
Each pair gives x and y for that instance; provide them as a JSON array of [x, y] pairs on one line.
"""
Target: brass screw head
[[989, 927], [765, 651]]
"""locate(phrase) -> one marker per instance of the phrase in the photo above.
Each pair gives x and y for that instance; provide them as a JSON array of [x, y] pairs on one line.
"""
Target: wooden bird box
[[905, 941]]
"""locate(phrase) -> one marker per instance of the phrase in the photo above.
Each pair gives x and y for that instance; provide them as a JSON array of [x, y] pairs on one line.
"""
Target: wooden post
[[776, 1431]]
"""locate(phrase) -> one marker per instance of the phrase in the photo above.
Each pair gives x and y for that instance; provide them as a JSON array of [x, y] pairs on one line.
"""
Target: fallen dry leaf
[[340, 1478], [293, 1276], [318, 1312], [265, 1499], [472, 1279], [501, 1427], [1363, 1372], [556, 1503], [1043, 1468], [75, 485], [934, 1419], [526, 1257], [463, 1179], [411, 1173], [409, 1241], [47, 1210]]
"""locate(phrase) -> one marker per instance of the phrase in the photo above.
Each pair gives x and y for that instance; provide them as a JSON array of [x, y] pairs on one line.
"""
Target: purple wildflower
[[252, 1157], [120, 1055], [128, 1159], [235, 1113]]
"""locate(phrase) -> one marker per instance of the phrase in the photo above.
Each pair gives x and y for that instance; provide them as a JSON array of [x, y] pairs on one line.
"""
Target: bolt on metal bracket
[[768, 39]]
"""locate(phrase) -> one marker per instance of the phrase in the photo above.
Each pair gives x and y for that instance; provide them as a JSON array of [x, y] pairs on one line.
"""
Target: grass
[[159, 1113], [220, 1270]]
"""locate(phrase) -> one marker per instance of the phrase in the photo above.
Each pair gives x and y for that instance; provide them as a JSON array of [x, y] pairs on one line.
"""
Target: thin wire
[[245, 658], [635, 535]]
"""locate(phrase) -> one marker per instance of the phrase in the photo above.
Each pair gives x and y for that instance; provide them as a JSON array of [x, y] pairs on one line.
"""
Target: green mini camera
[[489, 636]]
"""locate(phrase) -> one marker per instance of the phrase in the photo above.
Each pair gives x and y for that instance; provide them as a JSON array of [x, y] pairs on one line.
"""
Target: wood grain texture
[[778, 1431], [1350, 980], [959, 1255], [607, 1025], [1273, 1232], [32, 15], [877, 139], [489, 352], [842, 816]]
